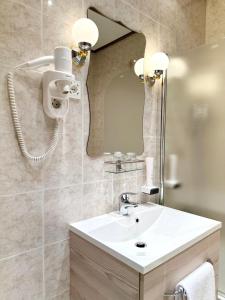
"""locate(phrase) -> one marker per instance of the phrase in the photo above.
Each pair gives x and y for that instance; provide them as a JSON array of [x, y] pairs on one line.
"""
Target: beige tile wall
[[37, 201], [215, 20]]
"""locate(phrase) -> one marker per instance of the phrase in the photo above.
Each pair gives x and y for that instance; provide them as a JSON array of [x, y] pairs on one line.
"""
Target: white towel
[[200, 284]]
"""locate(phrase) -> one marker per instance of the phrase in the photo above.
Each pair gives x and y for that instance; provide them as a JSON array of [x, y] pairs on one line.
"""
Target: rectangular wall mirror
[[116, 94]]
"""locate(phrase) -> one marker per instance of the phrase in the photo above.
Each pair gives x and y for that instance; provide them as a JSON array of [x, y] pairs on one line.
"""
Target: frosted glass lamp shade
[[160, 61], [85, 31], [139, 67]]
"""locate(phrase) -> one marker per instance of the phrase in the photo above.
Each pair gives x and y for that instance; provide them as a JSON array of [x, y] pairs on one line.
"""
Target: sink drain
[[141, 245]]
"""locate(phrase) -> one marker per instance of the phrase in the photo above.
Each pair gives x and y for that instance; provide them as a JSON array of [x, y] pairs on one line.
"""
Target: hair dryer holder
[[56, 92]]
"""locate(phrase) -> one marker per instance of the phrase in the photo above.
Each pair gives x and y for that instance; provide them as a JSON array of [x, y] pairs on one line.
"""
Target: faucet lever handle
[[124, 197]]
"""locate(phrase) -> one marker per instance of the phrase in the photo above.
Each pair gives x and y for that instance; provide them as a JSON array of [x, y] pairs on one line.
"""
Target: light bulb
[[85, 31], [139, 68], [160, 61]]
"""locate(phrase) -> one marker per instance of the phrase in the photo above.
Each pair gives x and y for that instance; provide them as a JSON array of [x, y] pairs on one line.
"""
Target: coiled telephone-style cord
[[53, 141]]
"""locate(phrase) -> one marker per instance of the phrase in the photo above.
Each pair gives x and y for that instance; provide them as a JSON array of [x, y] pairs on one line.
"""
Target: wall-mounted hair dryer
[[59, 86]]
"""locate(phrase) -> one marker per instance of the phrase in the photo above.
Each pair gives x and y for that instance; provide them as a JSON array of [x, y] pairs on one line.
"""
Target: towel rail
[[179, 294]]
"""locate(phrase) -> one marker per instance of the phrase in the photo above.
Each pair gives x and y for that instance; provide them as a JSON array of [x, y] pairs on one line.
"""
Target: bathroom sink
[[127, 228], [148, 237]]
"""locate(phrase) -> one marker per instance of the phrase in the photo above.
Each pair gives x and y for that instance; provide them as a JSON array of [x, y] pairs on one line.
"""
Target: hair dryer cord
[[18, 129]]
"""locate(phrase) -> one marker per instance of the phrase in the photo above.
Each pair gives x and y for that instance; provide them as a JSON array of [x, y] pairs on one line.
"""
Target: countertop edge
[[144, 270]]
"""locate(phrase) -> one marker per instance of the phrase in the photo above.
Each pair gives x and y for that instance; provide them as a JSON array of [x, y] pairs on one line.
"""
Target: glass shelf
[[117, 167]]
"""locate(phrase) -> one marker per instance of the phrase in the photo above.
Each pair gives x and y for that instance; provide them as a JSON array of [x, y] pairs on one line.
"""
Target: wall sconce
[[159, 64], [85, 36], [139, 68]]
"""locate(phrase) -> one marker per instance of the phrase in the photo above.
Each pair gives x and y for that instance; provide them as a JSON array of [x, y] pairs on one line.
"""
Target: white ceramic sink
[[122, 229], [165, 231]]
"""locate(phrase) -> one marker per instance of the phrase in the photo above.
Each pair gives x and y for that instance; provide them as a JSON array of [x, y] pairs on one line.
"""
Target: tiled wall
[[37, 201], [215, 20]]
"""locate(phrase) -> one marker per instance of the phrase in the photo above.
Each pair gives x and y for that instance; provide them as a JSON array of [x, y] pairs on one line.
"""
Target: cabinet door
[[163, 279], [96, 275]]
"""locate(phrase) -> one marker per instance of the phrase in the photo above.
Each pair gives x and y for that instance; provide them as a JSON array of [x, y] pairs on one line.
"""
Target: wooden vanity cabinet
[[96, 275]]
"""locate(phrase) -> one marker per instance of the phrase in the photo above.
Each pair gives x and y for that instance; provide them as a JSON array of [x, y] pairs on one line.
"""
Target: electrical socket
[[75, 92]]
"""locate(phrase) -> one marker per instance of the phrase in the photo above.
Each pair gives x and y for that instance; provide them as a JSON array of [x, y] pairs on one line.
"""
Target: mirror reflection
[[116, 93]]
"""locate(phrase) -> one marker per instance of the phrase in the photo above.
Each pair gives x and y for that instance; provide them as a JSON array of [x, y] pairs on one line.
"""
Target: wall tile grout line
[[32, 250], [142, 12], [44, 190], [57, 295], [56, 242], [26, 5], [42, 26], [54, 188], [21, 253]]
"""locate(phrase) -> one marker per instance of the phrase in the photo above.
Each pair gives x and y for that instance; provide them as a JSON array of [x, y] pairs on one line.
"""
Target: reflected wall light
[[85, 35], [139, 68], [178, 67], [50, 3]]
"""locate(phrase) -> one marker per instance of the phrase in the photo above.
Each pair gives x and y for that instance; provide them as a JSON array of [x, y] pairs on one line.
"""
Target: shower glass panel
[[195, 133]]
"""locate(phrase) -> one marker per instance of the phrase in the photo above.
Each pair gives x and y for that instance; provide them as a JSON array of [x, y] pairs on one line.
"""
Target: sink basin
[[129, 227], [148, 237]]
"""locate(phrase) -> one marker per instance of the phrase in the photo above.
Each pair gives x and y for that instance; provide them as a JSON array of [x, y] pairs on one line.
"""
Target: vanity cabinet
[[96, 275]]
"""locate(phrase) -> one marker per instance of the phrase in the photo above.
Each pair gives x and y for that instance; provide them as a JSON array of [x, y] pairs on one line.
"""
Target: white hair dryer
[[58, 85]]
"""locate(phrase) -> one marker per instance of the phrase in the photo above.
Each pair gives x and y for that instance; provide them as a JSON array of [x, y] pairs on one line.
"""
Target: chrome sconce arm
[[79, 57], [85, 36], [152, 79]]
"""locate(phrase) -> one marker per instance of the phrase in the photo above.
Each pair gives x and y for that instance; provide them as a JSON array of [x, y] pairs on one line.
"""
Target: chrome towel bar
[[179, 294]]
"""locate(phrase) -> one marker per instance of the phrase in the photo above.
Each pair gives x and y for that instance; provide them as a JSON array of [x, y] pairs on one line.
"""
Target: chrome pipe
[[162, 136]]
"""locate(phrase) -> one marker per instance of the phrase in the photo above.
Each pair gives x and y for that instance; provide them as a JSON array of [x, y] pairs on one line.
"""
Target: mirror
[[116, 94]]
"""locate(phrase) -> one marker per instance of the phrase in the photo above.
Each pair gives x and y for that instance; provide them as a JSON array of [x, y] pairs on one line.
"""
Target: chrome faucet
[[125, 203]]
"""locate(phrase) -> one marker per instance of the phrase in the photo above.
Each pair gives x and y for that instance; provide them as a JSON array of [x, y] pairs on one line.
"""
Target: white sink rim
[[140, 264]]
